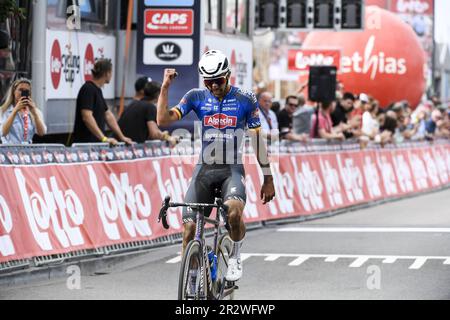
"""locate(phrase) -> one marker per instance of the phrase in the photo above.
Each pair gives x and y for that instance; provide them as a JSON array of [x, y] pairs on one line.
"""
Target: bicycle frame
[[199, 236], [199, 232]]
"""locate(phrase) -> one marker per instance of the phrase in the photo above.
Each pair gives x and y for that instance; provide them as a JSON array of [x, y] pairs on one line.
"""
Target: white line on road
[[365, 229], [418, 263], [390, 260], [331, 259], [298, 261], [358, 260], [177, 259], [272, 257]]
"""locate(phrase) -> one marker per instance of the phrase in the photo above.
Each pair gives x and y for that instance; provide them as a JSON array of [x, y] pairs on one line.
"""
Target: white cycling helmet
[[213, 64]]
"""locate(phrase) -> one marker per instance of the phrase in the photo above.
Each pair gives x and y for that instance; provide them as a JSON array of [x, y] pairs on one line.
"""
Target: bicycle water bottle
[[213, 263]]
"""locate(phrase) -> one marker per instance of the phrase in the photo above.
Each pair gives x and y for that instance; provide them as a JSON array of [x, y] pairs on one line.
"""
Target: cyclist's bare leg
[[236, 219]]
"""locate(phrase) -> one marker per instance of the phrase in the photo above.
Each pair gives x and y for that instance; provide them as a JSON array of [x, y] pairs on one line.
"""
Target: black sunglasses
[[219, 81]]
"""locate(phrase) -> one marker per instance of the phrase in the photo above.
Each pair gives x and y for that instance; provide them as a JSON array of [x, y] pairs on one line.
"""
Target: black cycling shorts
[[229, 178]]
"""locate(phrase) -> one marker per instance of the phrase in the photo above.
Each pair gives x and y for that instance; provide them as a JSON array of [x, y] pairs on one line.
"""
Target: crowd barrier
[[60, 203]]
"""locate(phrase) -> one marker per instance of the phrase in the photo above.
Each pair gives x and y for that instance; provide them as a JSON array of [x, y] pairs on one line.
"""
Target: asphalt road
[[399, 250]]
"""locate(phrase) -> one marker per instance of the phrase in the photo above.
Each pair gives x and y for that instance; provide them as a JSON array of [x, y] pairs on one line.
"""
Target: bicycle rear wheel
[[224, 250], [191, 281]]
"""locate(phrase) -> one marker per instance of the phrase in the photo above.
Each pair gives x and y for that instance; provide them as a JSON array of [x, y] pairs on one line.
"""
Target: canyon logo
[[219, 121], [373, 63]]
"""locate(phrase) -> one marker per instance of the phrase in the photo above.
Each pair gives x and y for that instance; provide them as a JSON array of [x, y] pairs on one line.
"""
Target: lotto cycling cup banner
[[72, 199]]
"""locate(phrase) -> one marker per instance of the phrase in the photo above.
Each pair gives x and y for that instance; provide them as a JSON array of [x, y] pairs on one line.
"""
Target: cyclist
[[225, 112]]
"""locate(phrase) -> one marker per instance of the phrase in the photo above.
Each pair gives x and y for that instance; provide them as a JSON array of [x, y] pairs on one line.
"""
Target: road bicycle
[[196, 279]]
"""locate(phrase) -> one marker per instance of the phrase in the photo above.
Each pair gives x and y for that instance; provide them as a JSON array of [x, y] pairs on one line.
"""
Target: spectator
[[404, 131], [322, 125], [20, 119], [139, 86], [341, 116], [138, 121], [285, 122], [360, 105], [339, 90], [268, 118], [92, 112], [302, 117], [419, 118], [388, 127], [370, 124], [436, 125], [276, 107]]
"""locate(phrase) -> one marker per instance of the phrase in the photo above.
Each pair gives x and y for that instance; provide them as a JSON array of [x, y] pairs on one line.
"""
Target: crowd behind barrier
[[59, 203]]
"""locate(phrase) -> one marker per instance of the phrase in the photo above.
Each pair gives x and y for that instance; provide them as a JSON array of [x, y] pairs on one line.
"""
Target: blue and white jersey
[[223, 122]]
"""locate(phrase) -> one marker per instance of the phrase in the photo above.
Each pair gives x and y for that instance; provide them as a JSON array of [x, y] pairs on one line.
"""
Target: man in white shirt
[[268, 118]]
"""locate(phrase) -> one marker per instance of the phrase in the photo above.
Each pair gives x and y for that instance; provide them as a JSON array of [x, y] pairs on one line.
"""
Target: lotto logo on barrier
[[169, 22], [62, 207]]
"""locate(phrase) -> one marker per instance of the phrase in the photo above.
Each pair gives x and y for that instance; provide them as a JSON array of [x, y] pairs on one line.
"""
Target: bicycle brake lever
[[163, 213]]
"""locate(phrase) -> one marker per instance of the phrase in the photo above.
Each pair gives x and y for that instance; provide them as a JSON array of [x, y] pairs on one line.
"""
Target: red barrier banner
[[62, 207]]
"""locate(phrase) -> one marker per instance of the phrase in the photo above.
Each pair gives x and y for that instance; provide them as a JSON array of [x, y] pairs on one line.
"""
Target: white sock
[[237, 248]]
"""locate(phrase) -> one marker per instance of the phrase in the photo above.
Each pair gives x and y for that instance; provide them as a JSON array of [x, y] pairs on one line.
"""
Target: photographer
[[20, 117]]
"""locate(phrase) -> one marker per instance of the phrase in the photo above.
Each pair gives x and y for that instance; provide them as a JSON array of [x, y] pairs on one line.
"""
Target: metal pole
[[38, 53], [433, 56]]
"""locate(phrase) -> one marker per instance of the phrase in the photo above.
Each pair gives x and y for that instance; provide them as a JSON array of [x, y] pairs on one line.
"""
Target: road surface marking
[[358, 260], [365, 229], [418, 263], [298, 261], [177, 259], [245, 256], [272, 257], [331, 259], [390, 260]]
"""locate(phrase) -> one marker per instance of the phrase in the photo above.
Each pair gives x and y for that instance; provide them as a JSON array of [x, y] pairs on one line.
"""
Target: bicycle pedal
[[231, 285]]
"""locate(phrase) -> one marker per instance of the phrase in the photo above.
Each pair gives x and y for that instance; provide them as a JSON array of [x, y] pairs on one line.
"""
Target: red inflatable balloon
[[385, 60]]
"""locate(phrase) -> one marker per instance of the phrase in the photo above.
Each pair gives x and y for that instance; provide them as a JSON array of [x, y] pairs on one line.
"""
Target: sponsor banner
[[62, 200], [70, 59], [161, 22], [301, 60], [168, 51], [168, 34], [240, 53]]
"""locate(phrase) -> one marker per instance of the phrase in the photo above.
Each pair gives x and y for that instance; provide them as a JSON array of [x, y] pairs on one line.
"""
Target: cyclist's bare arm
[[165, 116], [259, 145]]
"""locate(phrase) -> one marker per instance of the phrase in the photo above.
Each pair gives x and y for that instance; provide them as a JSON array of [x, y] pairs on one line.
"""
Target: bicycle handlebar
[[167, 204]]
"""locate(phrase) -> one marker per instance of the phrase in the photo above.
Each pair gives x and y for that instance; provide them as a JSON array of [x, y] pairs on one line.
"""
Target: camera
[[25, 93]]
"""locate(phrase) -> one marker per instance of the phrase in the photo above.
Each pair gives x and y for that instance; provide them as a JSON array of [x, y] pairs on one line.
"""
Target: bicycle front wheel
[[224, 250], [191, 285]]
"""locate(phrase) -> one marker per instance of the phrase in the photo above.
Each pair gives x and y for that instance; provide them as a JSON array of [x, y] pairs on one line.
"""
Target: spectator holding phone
[[20, 118]]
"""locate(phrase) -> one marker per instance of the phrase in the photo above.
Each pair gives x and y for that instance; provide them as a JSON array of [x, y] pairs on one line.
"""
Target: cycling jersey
[[223, 122]]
